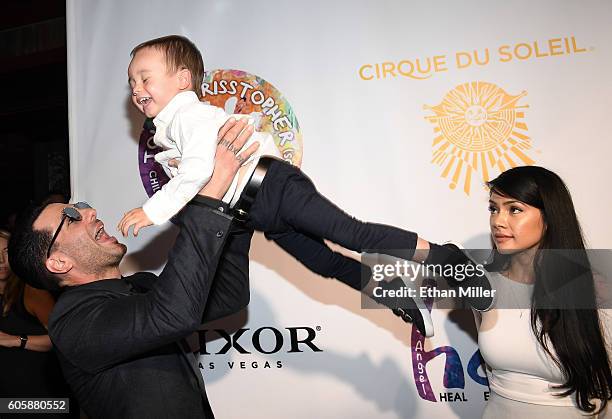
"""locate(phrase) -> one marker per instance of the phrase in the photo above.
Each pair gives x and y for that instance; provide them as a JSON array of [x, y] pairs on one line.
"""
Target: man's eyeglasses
[[74, 215]]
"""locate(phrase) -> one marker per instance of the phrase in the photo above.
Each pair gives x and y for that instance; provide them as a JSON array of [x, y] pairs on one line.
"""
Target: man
[[121, 340]]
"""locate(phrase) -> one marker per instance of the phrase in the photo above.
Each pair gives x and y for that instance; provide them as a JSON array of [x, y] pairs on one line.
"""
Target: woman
[[28, 368], [548, 356]]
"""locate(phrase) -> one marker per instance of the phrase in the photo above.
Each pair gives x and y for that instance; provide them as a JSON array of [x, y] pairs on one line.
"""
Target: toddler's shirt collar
[[165, 115]]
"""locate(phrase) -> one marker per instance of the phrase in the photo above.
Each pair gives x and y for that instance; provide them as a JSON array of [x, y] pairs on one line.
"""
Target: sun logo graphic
[[479, 129]]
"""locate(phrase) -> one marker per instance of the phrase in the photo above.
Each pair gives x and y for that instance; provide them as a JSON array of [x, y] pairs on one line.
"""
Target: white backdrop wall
[[349, 69]]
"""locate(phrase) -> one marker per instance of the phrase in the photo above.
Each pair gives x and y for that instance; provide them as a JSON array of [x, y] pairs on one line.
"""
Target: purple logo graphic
[[453, 368], [152, 174]]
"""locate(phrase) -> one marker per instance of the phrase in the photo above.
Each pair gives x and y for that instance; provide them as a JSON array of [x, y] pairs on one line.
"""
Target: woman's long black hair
[[563, 307]]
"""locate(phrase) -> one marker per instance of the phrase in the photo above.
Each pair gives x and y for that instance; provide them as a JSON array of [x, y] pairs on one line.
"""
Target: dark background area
[[34, 106]]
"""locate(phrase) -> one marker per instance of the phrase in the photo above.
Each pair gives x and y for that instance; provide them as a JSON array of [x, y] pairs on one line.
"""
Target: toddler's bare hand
[[137, 218]]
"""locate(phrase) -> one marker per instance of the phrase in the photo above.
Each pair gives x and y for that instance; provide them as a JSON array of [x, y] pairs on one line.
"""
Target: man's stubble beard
[[95, 261]]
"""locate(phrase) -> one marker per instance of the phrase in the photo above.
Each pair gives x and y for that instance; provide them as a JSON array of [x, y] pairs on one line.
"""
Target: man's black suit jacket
[[121, 341]]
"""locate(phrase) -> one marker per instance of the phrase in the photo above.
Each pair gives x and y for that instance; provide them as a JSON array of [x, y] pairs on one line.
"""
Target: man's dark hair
[[27, 250], [55, 195]]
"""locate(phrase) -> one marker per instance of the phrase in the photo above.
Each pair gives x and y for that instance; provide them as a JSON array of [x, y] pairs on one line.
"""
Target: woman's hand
[[38, 343], [228, 158], [9, 341]]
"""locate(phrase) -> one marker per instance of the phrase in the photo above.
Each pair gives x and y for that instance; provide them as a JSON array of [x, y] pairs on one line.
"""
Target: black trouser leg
[[288, 200], [319, 258]]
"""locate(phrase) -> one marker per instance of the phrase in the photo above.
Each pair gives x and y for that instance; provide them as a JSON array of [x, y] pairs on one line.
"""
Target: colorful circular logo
[[237, 92]]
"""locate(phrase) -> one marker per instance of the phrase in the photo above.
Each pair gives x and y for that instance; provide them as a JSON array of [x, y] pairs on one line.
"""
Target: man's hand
[[137, 218], [231, 138]]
